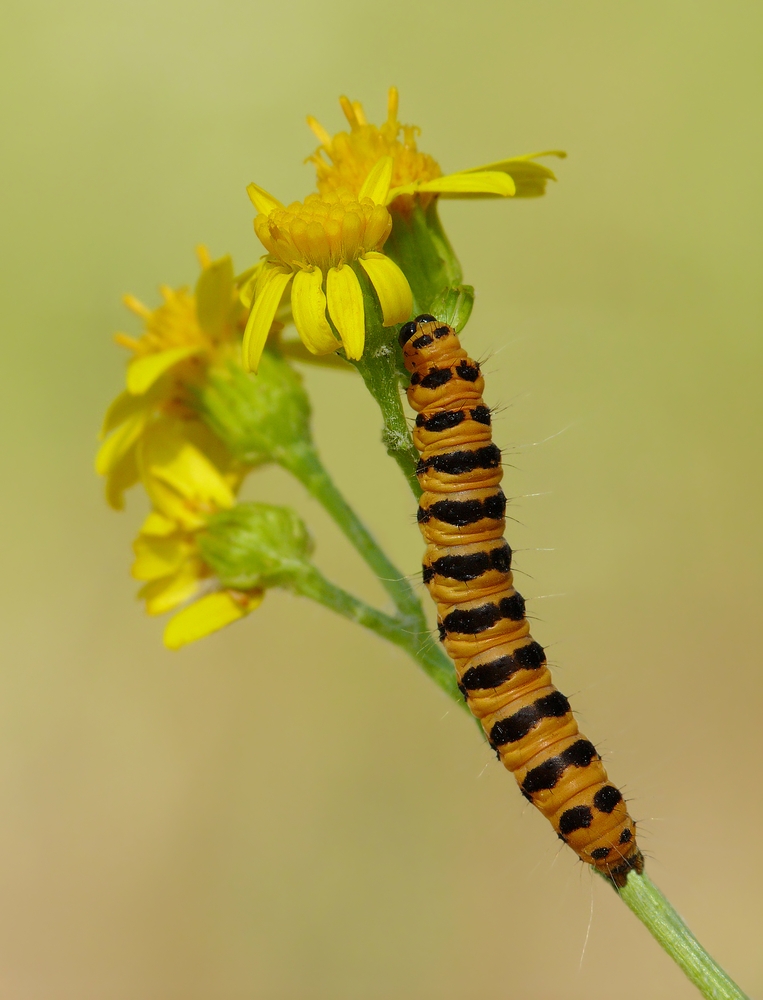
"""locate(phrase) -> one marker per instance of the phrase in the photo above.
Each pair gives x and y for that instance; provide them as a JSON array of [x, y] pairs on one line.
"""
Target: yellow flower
[[182, 337], [344, 161], [316, 245], [185, 489]]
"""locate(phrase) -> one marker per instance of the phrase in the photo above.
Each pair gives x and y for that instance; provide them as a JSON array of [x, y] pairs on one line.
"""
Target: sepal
[[454, 306]]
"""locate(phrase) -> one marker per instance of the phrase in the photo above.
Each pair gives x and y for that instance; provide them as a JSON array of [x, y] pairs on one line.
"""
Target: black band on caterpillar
[[502, 672]]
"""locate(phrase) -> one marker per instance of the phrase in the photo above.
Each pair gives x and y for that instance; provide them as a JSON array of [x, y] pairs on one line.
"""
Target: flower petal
[[214, 296], [264, 202], [210, 613], [121, 476], [485, 182], [194, 478], [248, 285], [530, 178], [376, 184], [261, 317], [124, 406], [156, 558], [165, 594], [308, 304], [345, 300], [180, 480], [115, 446], [391, 285], [157, 526], [171, 505], [143, 372]]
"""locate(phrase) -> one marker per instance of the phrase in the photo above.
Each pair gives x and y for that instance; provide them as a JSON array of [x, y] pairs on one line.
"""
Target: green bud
[[259, 417], [256, 545], [454, 306]]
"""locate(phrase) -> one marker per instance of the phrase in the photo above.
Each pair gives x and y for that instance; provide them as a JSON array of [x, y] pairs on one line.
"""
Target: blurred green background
[[289, 809]]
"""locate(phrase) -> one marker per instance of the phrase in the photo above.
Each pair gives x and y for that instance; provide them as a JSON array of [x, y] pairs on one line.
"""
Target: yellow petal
[[319, 132], [264, 203], [376, 184], [529, 177], [136, 306], [172, 505], [485, 182], [156, 558], [345, 301], [143, 372], [261, 317], [124, 406], [121, 476], [395, 296], [115, 446], [308, 304], [214, 295], [166, 594], [157, 525], [207, 615], [211, 447], [249, 285], [194, 477], [178, 478]]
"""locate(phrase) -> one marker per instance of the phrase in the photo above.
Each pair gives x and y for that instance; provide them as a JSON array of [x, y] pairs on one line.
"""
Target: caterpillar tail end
[[619, 875]]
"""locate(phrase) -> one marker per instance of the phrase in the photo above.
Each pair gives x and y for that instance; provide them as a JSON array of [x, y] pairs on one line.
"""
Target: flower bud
[[256, 545], [259, 418]]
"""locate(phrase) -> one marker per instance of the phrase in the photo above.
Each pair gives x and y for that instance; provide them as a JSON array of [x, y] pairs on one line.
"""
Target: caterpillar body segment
[[502, 671]]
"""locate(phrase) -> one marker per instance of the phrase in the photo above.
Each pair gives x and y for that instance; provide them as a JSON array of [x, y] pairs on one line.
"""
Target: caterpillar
[[502, 671]]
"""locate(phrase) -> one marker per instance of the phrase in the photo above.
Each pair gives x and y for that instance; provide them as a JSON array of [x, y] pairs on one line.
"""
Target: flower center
[[324, 231]]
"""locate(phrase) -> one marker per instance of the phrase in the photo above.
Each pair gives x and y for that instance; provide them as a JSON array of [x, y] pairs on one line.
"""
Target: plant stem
[[311, 583], [304, 463], [379, 373], [643, 897], [409, 629]]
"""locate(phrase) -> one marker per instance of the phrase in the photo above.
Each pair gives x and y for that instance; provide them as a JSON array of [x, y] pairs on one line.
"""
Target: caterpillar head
[[426, 339]]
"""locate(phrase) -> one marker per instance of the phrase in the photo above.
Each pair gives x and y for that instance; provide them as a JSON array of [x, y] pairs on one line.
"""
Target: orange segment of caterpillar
[[502, 671]]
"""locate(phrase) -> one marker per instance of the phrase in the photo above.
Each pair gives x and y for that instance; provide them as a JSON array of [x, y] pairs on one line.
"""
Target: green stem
[[304, 463], [311, 583], [643, 897], [381, 379], [409, 630]]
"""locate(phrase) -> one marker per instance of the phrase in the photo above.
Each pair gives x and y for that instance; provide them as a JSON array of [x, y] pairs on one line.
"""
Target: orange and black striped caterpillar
[[502, 671]]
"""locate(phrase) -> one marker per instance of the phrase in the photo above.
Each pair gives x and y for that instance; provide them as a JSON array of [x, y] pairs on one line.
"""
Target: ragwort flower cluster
[[154, 435], [351, 246]]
